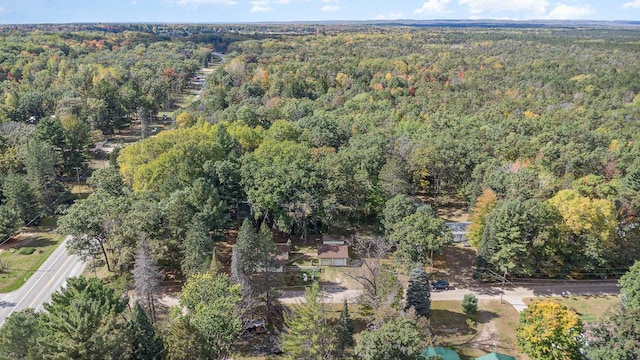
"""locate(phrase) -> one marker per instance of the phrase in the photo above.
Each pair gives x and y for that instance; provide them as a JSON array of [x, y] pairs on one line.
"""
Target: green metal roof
[[444, 353], [495, 356]]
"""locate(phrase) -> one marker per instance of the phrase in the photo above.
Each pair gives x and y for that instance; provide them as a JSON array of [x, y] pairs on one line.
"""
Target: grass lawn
[[495, 324], [21, 267], [590, 308]]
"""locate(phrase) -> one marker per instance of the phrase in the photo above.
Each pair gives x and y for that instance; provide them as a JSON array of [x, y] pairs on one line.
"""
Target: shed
[[495, 356], [458, 230], [333, 254], [444, 353]]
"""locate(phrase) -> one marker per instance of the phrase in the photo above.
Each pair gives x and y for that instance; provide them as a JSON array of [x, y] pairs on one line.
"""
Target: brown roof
[[283, 249], [327, 251]]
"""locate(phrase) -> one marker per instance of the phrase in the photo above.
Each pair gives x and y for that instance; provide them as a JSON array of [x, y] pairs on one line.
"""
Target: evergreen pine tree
[[470, 305], [344, 332], [145, 342], [419, 292]]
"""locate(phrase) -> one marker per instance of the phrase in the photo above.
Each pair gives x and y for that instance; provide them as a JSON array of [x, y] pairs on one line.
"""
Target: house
[[458, 230], [495, 356], [282, 257], [333, 254], [439, 352]]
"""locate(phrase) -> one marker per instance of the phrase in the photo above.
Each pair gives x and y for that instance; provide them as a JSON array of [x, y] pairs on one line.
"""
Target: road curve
[[50, 277]]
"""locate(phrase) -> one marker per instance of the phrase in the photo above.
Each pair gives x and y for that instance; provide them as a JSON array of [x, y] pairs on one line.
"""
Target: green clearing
[[21, 267], [590, 308], [495, 324]]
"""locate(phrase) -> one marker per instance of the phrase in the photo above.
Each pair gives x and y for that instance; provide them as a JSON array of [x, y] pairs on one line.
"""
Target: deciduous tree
[[550, 331]]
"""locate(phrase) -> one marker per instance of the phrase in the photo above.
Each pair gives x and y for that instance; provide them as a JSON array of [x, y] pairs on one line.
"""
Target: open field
[[39, 242]]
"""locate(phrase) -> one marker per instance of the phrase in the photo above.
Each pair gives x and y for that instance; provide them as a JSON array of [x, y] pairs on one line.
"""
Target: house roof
[[283, 249], [457, 227], [495, 356], [444, 353], [330, 251]]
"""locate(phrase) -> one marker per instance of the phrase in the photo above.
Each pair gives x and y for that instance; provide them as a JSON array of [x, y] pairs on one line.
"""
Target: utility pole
[[504, 279], [77, 176]]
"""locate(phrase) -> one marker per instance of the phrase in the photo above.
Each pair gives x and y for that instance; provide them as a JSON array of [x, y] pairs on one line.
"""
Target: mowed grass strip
[[21, 267], [589, 308]]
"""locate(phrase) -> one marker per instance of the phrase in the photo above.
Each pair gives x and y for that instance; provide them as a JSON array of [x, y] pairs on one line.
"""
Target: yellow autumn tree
[[549, 331], [589, 223], [484, 206]]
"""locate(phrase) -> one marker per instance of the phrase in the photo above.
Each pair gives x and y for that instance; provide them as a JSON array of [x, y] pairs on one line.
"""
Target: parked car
[[440, 285]]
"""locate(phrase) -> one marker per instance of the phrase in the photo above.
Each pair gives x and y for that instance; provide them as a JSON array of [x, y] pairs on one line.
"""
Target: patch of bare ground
[[455, 263]]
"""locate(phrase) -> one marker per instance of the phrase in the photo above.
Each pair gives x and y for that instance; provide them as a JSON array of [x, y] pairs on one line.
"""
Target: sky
[[233, 11]]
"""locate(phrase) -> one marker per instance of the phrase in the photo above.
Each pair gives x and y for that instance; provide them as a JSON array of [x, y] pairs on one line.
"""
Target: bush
[[26, 251], [470, 304]]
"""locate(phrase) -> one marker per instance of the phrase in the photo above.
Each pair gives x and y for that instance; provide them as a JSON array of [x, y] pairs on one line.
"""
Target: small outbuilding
[[440, 352], [458, 230], [495, 356], [333, 254]]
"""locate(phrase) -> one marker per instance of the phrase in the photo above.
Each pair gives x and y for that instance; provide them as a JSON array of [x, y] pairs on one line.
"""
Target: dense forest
[[315, 129]]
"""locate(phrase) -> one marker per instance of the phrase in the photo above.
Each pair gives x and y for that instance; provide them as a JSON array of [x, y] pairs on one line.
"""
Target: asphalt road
[[513, 294], [51, 276]]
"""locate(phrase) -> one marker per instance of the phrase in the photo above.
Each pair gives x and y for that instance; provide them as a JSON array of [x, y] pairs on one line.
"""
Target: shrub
[[26, 251], [470, 304]]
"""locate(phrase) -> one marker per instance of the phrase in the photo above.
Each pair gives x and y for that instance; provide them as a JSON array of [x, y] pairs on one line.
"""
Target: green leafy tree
[[198, 250], [90, 223], [419, 292], [615, 336], [9, 222], [20, 197], [550, 331], [145, 341], [418, 235], [108, 180], [212, 319], [85, 320], [18, 335], [308, 334], [396, 209], [344, 333], [257, 254], [470, 305], [398, 338], [630, 287]]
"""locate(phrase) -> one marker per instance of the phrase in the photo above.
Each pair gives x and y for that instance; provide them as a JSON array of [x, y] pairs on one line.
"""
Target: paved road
[[512, 294], [51, 276]]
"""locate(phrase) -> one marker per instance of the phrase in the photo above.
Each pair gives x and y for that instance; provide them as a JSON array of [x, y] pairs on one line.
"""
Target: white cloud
[[535, 7], [432, 7], [264, 5], [204, 2], [260, 6], [331, 8], [631, 5], [566, 12]]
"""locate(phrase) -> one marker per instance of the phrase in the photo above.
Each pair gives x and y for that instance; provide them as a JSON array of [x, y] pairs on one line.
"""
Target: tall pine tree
[[344, 333], [146, 344], [419, 292]]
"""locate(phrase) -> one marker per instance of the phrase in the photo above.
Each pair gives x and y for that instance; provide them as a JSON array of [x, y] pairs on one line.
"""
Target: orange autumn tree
[[550, 331], [484, 206]]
